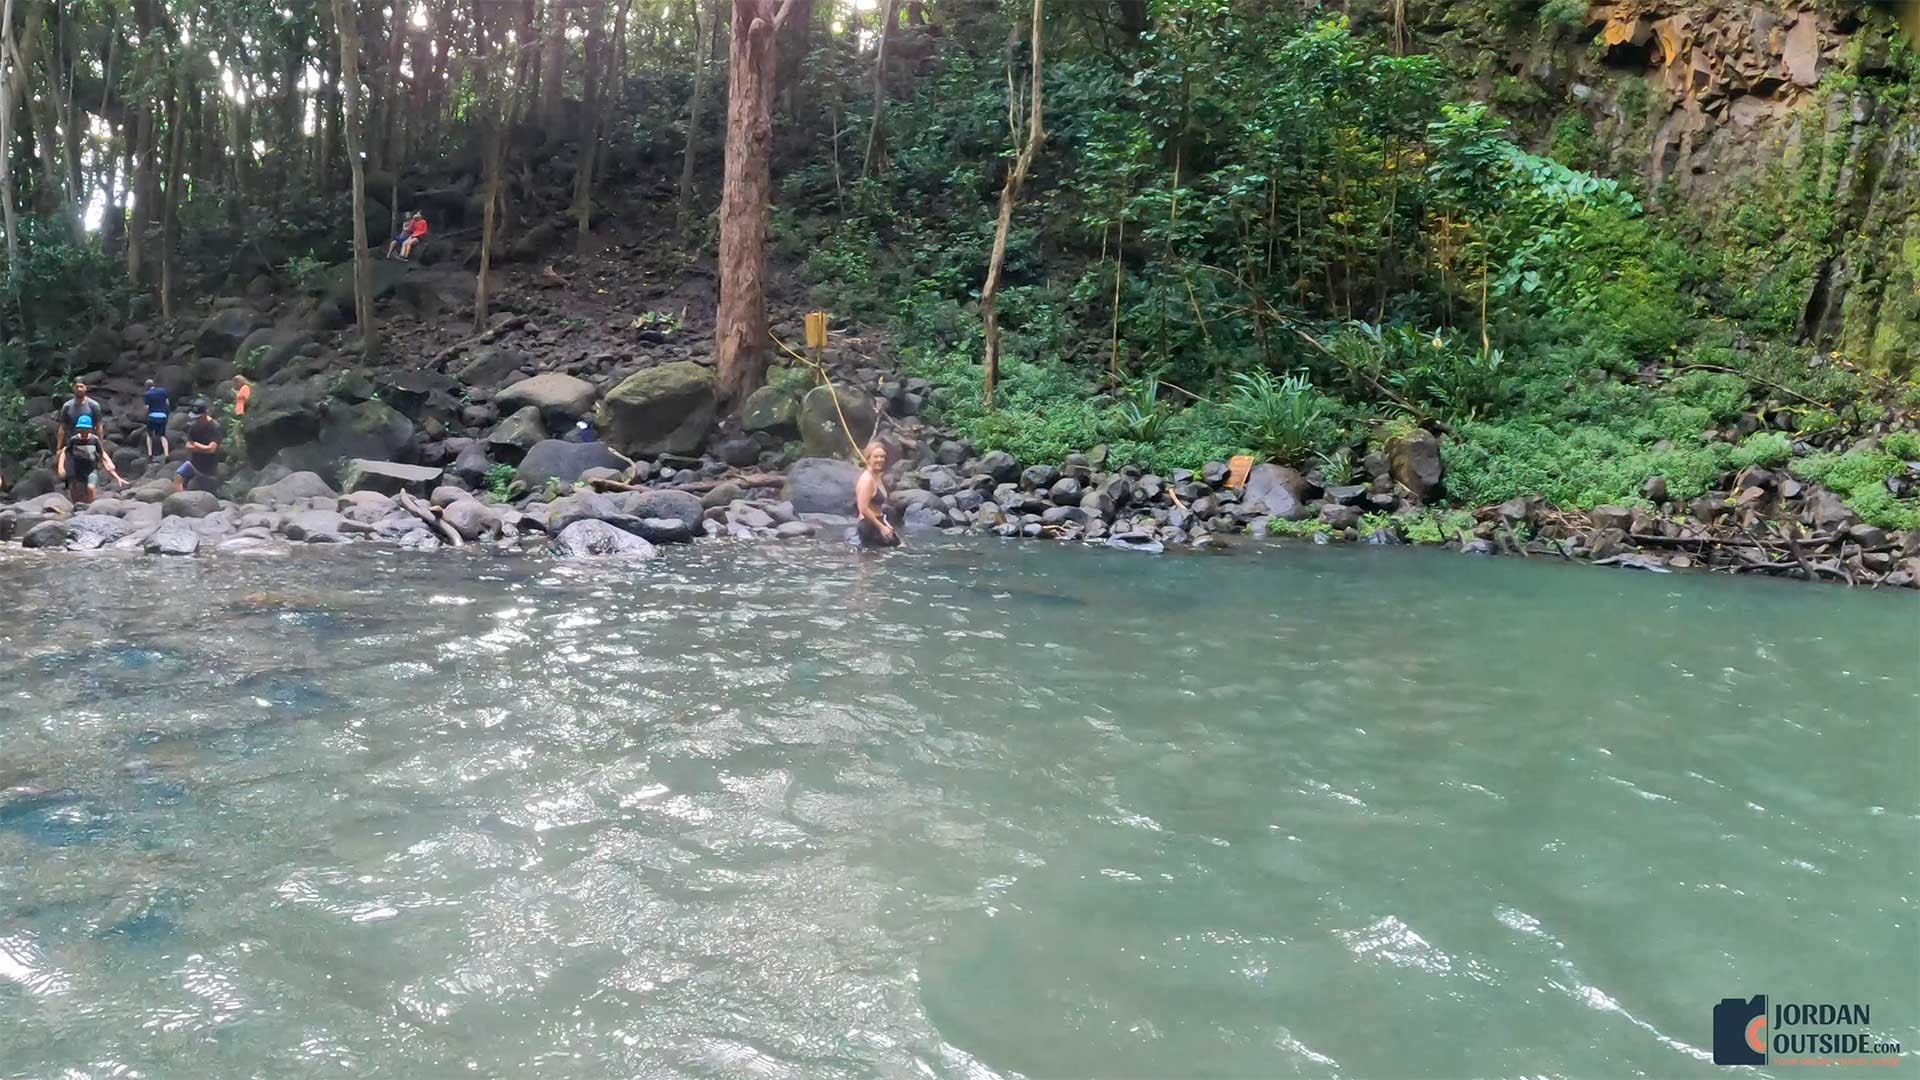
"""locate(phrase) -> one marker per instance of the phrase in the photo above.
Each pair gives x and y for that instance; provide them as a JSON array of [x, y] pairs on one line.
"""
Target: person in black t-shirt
[[77, 406], [201, 470]]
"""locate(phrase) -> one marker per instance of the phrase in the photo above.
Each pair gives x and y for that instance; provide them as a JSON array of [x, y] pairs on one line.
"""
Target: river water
[[974, 809]]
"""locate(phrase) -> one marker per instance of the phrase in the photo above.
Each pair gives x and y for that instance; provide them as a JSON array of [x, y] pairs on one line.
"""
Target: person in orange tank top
[[416, 233], [242, 390]]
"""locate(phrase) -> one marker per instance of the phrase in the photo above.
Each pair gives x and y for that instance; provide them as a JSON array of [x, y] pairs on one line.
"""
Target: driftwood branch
[[412, 505]]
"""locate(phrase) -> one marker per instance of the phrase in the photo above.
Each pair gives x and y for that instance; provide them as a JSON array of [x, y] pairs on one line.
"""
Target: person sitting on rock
[[416, 232], [201, 470], [870, 501], [79, 464], [401, 237], [159, 408]]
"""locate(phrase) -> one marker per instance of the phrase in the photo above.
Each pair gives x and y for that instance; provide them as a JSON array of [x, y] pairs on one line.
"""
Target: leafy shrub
[[500, 480], [1143, 416], [1284, 418], [1860, 477], [1904, 445], [1769, 449]]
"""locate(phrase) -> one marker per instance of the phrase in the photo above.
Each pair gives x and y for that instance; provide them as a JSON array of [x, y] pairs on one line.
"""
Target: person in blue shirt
[[159, 407]]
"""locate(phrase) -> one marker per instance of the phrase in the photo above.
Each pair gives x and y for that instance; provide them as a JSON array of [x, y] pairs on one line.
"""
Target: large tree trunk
[[889, 12], [496, 165], [553, 64], [741, 323], [170, 214], [327, 124], [683, 215], [362, 258], [6, 139], [142, 190], [1010, 191]]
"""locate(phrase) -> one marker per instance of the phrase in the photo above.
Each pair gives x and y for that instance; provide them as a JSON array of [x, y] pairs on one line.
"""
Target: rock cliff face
[[1711, 104]]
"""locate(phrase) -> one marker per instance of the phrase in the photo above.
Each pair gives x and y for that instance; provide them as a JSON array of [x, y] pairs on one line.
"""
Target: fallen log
[[412, 505]]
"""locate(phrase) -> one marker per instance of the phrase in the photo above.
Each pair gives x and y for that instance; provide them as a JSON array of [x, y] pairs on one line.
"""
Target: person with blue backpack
[[159, 408]]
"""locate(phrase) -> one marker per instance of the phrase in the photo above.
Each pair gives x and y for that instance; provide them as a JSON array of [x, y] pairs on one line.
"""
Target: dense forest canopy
[[1284, 228]]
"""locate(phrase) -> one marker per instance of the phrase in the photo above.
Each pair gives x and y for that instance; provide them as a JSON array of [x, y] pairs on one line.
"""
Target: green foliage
[[1336, 468], [1769, 449], [1564, 14], [500, 480], [1282, 418], [59, 291], [1143, 416], [1283, 527], [17, 439], [1572, 142], [1578, 466], [1860, 477], [305, 270], [1904, 445]]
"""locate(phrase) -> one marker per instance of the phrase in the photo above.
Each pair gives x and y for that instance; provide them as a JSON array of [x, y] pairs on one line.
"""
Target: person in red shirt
[[415, 233]]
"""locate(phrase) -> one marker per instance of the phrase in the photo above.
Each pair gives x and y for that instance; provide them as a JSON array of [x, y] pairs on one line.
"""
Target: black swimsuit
[[872, 535]]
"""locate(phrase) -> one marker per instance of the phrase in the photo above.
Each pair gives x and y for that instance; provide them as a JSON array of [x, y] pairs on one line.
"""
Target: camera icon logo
[[1740, 1031]]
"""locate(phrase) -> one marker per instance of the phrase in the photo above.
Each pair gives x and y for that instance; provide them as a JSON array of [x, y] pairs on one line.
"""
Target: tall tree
[[702, 49], [141, 168], [1009, 192], [889, 13], [362, 258], [175, 167], [7, 53], [741, 323]]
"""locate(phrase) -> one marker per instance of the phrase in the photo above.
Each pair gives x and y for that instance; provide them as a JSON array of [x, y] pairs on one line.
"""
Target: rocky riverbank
[[454, 445]]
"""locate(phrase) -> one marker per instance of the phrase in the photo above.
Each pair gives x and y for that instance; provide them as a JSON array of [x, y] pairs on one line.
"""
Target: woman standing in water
[[870, 499]]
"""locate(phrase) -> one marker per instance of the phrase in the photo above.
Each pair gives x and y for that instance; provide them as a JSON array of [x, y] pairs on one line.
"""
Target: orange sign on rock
[[1238, 468]]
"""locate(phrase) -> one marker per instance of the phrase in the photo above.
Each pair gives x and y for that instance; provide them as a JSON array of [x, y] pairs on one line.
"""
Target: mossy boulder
[[662, 410], [822, 430], [772, 409]]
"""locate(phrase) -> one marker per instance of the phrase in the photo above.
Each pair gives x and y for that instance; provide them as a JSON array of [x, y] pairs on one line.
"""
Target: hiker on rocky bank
[[412, 231], [81, 460], [406, 231], [242, 391], [159, 409], [201, 470], [870, 501], [75, 407]]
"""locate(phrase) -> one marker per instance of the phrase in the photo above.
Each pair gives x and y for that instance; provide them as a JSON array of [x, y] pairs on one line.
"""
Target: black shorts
[[157, 426], [871, 536]]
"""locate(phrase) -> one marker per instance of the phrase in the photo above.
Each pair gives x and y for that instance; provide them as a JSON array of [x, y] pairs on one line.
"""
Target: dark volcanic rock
[[174, 536], [1001, 466], [1276, 490], [822, 486], [590, 538], [388, 477], [190, 504], [300, 485], [681, 506], [1414, 461], [666, 409], [51, 533], [558, 460], [822, 433], [517, 435]]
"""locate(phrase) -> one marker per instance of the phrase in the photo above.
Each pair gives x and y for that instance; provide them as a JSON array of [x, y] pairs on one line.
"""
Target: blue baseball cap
[[85, 422]]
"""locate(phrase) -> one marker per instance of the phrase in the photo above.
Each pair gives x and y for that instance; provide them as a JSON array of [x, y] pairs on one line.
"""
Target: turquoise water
[[971, 810]]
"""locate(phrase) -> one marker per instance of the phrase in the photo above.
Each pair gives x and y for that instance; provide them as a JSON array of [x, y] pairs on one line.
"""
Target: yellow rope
[[846, 429]]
